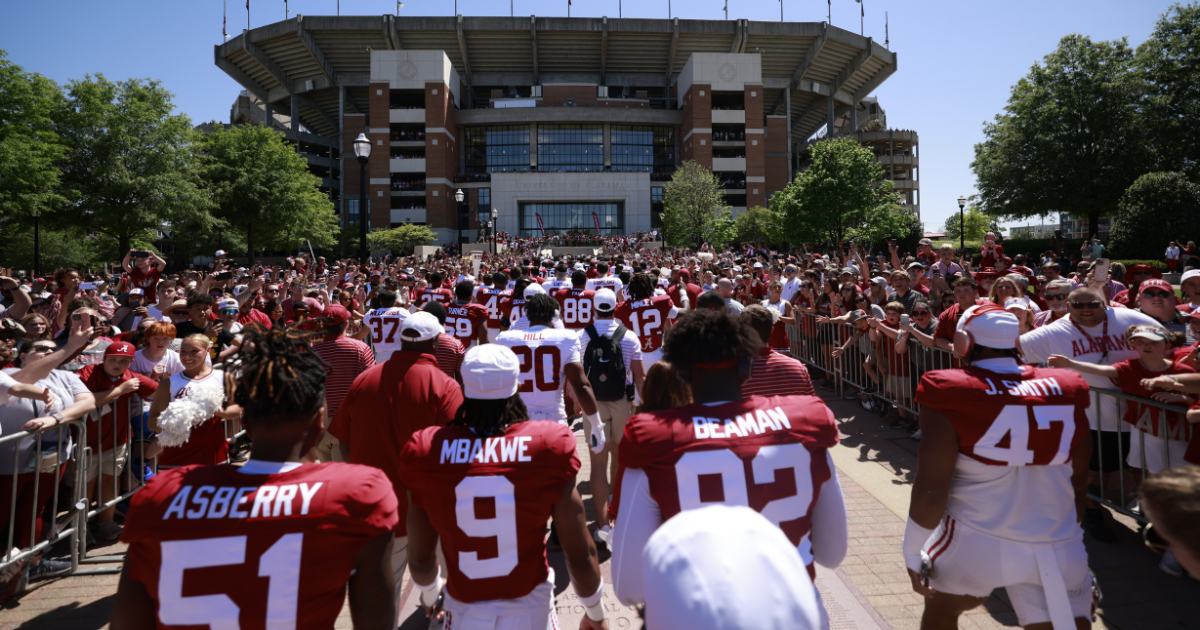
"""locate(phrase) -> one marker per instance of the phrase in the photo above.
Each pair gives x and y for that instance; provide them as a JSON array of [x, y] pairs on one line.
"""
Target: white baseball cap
[[605, 300], [420, 326], [1189, 274], [534, 289], [490, 372], [725, 567], [991, 326], [1016, 303], [136, 291], [220, 252]]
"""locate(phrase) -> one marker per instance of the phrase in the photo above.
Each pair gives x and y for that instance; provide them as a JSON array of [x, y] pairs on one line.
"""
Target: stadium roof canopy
[[313, 56]]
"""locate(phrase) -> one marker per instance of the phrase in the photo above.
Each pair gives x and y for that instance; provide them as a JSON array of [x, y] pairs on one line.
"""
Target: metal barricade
[[40, 459]]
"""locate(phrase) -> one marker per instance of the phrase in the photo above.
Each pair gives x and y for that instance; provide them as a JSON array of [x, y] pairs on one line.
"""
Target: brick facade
[[776, 165], [755, 147], [379, 98]]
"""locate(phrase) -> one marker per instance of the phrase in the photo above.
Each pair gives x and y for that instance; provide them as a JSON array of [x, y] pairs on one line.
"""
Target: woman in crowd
[[664, 389], [36, 327], [784, 317], [206, 445], [274, 311]]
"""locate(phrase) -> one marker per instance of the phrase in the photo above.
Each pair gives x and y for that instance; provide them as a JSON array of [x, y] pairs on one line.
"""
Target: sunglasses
[[1143, 273], [1054, 297], [1157, 294], [920, 313], [229, 311], [1086, 305], [43, 348], [179, 314]]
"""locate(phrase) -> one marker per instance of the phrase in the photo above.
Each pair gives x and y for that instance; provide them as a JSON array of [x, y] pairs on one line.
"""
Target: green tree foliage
[[1069, 138], [974, 221], [758, 225], [30, 146], [1157, 208], [842, 195], [262, 192], [130, 167], [401, 240], [694, 209], [1170, 59]]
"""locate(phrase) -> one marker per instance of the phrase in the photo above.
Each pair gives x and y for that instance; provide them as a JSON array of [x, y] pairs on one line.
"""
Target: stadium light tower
[[362, 150], [962, 232]]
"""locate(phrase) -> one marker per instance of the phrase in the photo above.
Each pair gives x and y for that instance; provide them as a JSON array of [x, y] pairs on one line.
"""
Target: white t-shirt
[[385, 324], [155, 314], [631, 346], [145, 365], [790, 289], [544, 354], [1065, 338]]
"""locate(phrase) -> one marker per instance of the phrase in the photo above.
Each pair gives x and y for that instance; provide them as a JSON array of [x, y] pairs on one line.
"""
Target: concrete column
[[787, 109], [891, 156], [607, 146], [829, 116], [533, 145], [854, 118], [296, 120]]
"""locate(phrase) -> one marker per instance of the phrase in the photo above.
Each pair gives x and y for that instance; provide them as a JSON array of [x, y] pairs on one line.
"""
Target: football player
[[467, 322], [435, 292], [1001, 483], [575, 303], [490, 298], [225, 547], [770, 454], [648, 316], [383, 325], [605, 281], [485, 485]]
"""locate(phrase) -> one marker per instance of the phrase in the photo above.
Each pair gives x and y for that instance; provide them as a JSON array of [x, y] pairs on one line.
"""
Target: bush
[[1157, 208], [1157, 264]]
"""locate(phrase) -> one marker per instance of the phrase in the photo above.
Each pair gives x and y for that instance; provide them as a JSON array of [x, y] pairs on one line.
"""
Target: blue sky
[[957, 60]]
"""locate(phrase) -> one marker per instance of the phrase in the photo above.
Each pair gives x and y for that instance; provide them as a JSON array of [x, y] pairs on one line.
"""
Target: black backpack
[[604, 363]]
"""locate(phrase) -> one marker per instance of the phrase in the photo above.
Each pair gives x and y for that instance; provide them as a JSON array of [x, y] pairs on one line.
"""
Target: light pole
[[362, 150], [494, 224], [37, 258], [459, 197], [962, 231]]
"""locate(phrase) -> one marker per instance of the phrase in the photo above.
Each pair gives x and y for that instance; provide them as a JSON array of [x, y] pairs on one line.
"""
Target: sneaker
[[1170, 565], [602, 534], [917, 436], [902, 423], [107, 532], [1094, 523], [871, 390], [48, 568]]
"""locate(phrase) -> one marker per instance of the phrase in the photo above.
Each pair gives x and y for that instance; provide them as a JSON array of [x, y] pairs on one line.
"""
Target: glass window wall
[[501, 149], [570, 148], [572, 218]]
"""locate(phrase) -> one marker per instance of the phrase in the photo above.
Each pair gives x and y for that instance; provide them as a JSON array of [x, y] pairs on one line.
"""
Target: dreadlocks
[[281, 379], [490, 417], [541, 308], [641, 287]]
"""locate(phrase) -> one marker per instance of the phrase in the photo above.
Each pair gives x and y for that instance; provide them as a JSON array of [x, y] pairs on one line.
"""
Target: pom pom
[[181, 416]]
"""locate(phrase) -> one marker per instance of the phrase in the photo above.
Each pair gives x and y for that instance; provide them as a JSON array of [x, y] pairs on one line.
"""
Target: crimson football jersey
[[575, 307], [435, 294], [490, 499], [766, 453], [463, 321], [220, 548], [512, 308], [490, 298], [647, 319]]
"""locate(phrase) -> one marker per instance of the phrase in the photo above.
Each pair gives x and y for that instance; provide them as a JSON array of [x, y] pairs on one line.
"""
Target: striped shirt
[[775, 374], [347, 358], [450, 353]]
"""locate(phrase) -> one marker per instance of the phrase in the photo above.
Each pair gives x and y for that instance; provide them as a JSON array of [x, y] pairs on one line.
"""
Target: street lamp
[[459, 197], [362, 150], [494, 223], [962, 232], [37, 258]]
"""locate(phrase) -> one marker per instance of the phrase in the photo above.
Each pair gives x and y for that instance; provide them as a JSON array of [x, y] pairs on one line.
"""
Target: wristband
[[591, 603], [431, 591], [915, 538]]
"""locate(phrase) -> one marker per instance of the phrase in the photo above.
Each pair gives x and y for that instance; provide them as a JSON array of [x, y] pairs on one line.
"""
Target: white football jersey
[[384, 324], [606, 282], [553, 285], [544, 354]]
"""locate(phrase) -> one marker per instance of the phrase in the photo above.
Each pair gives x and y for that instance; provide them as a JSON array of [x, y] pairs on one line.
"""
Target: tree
[[30, 146], [1069, 139], [1157, 208], [1170, 61], [401, 240], [694, 210], [130, 167], [59, 247], [977, 223], [262, 191], [842, 195], [757, 225]]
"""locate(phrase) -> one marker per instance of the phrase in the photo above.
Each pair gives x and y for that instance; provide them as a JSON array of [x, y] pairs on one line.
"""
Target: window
[[656, 207], [643, 149], [573, 218], [570, 148], [352, 212], [485, 205], [497, 149]]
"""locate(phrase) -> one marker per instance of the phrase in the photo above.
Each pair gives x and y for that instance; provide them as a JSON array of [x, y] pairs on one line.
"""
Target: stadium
[[549, 125]]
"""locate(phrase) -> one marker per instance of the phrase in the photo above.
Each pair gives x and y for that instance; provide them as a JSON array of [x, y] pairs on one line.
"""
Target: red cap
[[987, 271], [1129, 272], [337, 314], [120, 349], [1156, 283]]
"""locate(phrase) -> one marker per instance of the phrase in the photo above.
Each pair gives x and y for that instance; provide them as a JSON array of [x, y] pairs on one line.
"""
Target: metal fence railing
[[882, 374]]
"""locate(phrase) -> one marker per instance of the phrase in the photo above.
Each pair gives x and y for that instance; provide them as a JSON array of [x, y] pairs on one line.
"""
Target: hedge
[[1156, 264]]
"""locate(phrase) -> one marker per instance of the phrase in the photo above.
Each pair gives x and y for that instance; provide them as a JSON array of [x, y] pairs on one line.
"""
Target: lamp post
[[362, 150], [495, 222], [459, 196], [962, 231], [492, 236], [37, 258]]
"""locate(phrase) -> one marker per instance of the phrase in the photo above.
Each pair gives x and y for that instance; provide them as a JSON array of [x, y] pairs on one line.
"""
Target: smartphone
[[140, 254], [904, 320], [87, 286], [223, 275]]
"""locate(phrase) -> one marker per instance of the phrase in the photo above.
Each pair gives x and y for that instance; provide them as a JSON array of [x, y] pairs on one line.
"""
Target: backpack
[[604, 363]]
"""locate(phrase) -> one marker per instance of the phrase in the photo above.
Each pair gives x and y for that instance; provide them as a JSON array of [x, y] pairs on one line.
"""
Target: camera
[[223, 275]]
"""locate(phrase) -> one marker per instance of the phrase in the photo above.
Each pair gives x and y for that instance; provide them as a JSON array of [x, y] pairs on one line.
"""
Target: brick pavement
[[870, 590]]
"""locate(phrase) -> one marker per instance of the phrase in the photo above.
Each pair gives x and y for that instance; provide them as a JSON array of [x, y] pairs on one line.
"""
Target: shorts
[[613, 414], [967, 561], [650, 358], [534, 611], [1156, 460], [1109, 442], [110, 462]]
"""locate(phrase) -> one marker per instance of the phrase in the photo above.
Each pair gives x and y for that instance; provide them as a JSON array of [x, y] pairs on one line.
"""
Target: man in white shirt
[[791, 286]]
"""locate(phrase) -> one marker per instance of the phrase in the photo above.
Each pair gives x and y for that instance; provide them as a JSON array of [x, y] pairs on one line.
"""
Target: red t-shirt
[[145, 281], [255, 316], [575, 307], [435, 294], [347, 358], [767, 453], [219, 548], [775, 374], [490, 498], [386, 405], [948, 320], [113, 432], [464, 321], [988, 259], [450, 354], [1148, 418], [987, 408], [693, 295], [647, 319]]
